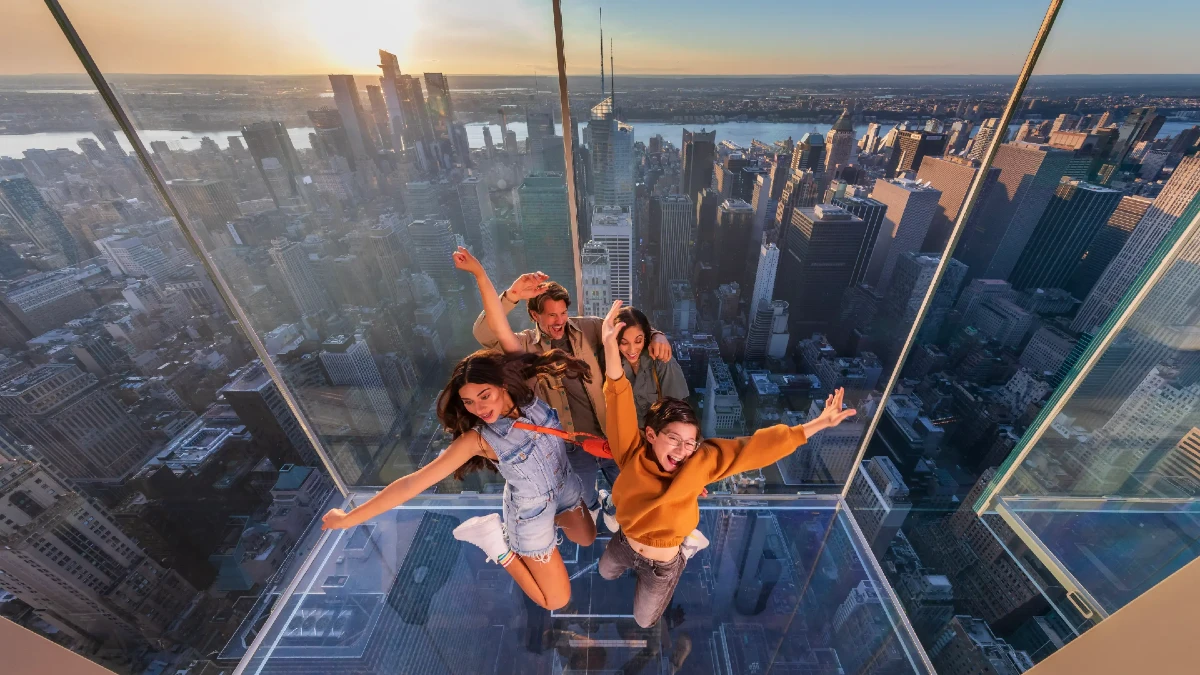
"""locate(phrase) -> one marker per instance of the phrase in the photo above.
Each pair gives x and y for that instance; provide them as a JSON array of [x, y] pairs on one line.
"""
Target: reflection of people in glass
[[664, 467], [579, 403], [487, 394]]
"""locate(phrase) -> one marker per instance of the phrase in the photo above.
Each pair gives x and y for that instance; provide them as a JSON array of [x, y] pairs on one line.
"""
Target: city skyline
[[228, 38]]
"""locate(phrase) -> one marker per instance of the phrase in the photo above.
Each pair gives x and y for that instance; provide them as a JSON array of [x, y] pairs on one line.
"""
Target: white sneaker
[[606, 505], [486, 532], [693, 544]]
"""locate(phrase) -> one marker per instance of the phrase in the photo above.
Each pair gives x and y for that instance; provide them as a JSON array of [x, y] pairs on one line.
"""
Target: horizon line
[[632, 75]]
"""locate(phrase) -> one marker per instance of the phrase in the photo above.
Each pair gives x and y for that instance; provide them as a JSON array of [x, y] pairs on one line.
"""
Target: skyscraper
[[212, 203], [1180, 198], [611, 146], [360, 129], [816, 264], [65, 557], [768, 334], [983, 138], [1001, 226], [677, 228], [433, 246], [839, 144], [406, 108], [764, 277], [913, 146], [545, 226], [441, 115], [799, 190], [331, 136], [879, 499], [597, 298], [379, 114], [73, 421], [476, 207], [348, 363], [911, 206], [1107, 244], [1070, 222], [872, 211], [39, 223], [906, 292], [952, 175], [257, 401], [699, 149], [299, 277], [809, 154], [1132, 130], [267, 140], [613, 227], [735, 221]]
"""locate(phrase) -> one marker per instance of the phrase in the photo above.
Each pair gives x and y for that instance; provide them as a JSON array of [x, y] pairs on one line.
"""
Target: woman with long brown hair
[[494, 416]]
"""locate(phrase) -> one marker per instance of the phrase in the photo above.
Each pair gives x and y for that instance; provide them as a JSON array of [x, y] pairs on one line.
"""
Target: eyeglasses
[[676, 442]]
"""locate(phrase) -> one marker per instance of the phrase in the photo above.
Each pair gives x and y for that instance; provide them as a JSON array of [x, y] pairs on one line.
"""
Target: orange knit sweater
[[657, 508]]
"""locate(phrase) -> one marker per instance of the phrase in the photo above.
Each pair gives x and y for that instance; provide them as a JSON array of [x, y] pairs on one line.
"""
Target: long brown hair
[[511, 372]]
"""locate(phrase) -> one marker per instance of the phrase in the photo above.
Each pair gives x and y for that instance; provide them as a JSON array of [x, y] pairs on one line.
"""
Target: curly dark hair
[[512, 373], [668, 410]]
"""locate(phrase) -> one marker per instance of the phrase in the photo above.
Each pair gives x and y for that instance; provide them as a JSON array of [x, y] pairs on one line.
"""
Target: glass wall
[[147, 491], [783, 233], [178, 400], [1036, 358], [331, 203]]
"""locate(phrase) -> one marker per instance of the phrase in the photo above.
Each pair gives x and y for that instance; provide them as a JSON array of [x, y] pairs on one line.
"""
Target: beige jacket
[[584, 333]]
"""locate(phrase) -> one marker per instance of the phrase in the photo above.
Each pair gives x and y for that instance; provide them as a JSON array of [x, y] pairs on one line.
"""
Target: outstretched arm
[[720, 458], [493, 311], [403, 489]]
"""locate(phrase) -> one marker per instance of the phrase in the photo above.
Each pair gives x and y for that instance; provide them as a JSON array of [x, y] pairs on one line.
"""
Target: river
[[13, 145]]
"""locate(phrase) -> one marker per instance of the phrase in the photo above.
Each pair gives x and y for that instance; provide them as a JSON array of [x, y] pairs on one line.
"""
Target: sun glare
[[350, 38]]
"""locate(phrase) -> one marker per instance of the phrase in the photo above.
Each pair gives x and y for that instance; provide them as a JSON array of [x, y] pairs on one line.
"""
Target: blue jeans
[[586, 466], [529, 521]]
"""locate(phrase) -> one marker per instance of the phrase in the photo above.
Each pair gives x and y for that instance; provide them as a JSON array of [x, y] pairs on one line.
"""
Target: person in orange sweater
[[664, 468]]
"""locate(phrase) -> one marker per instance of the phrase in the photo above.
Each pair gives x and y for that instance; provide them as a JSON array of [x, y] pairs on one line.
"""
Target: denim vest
[[533, 464]]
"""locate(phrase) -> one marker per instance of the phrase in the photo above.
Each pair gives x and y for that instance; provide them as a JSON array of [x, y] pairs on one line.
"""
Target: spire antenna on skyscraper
[[612, 78], [601, 51]]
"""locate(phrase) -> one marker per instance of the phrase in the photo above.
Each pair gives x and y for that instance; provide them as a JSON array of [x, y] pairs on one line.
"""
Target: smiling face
[[631, 343], [485, 401], [552, 320], [674, 444]]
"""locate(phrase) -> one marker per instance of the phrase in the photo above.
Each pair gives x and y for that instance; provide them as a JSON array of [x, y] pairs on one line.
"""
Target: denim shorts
[[529, 521]]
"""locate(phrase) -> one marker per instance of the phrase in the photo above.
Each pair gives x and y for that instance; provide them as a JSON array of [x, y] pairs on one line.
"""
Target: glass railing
[[784, 583]]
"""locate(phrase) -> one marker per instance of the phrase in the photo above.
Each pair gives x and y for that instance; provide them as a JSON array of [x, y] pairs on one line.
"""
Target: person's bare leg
[[546, 583], [578, 525]]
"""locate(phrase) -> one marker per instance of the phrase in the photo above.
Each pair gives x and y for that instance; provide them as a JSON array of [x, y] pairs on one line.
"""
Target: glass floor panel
[[1113, 549], [784, 588]]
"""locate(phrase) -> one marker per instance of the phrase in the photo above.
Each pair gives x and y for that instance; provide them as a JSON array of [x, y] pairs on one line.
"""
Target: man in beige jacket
[[580, 405]]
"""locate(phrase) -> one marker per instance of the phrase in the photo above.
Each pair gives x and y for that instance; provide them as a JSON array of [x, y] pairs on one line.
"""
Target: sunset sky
[[651, 36]]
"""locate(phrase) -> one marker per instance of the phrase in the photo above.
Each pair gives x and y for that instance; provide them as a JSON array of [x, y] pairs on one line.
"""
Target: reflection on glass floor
[[1112, 549], [784, 588]]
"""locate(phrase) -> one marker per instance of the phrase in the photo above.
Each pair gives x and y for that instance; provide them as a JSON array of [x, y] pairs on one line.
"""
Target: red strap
[[544, 430]]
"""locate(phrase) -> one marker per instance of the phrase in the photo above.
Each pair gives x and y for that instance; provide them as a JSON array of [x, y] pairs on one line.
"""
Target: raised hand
[[466, 262], [611, 328], [832, 415], [335, 519], [528, 285]]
